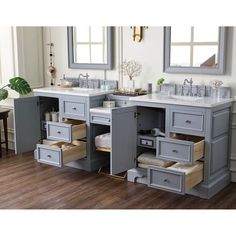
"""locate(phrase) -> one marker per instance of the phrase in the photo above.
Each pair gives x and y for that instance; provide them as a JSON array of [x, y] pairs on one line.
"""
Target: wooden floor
[[25, 184]]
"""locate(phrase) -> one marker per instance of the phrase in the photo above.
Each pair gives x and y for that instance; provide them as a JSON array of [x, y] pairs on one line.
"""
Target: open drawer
[[177, 178], [66, 131], [180, 148], [61, 153]]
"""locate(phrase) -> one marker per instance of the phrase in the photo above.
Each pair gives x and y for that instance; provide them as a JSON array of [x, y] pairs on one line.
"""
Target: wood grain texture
[[26, 184]]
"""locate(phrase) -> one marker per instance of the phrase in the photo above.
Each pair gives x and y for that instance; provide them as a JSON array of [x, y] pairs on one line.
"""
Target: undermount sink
[[186, 98]]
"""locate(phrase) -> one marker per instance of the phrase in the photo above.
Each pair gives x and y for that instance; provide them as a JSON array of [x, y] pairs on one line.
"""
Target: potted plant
[[159, 83], [18, 84], [132, 69]]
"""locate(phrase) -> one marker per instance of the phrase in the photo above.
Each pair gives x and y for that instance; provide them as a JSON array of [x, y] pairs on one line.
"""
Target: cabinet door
[[26, 124], [123, 139]]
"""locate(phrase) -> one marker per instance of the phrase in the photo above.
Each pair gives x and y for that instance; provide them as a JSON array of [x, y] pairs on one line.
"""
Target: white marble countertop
[[72, 91], [178, 100]]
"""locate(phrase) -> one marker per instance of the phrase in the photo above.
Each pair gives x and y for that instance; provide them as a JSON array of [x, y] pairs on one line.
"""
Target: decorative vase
[[158, 88], [216, 93], [131, 85]]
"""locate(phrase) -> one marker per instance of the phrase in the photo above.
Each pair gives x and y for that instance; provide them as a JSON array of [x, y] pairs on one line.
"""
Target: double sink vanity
[[196, 140]]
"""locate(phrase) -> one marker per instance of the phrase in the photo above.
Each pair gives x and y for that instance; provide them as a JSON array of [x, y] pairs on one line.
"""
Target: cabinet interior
[[47, 104]]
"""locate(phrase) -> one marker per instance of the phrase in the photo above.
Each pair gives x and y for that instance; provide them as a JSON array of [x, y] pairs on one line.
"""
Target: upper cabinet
[[199, 50], [90, 47]]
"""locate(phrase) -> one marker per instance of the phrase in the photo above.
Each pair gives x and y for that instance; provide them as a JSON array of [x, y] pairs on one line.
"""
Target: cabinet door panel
[[26, 124], [123, 139]]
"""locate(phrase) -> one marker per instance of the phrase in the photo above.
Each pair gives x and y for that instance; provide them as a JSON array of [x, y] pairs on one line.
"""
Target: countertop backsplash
[[197, 90], [92, 83]]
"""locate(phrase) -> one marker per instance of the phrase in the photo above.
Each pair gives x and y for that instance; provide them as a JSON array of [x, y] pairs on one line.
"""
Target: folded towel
[[103, 140], [141, 165], [149, 158]]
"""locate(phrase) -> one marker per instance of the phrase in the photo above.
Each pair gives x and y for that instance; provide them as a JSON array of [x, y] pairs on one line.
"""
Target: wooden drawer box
[[177, 178], [66, 131], [181, 148], [56, 155]]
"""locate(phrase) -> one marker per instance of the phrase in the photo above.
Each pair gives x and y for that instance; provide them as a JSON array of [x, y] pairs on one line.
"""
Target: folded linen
[[103, 140], [149, 158]]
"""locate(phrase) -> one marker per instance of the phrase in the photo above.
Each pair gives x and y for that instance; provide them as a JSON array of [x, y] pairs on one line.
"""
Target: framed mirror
[[199, 50], [90, 47]]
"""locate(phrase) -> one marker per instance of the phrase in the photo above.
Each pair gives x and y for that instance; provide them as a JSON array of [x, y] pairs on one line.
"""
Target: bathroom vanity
[[196, 136]]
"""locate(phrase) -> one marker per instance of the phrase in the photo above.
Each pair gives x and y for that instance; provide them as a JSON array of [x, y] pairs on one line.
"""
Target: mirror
[[194, 50], [90, 47]]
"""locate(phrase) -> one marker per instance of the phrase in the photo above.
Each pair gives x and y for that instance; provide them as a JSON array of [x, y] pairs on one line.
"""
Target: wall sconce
[[138, 32]]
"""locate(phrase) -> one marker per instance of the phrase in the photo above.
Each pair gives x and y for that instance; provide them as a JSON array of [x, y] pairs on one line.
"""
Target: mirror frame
[[196, 70], [97, 66]]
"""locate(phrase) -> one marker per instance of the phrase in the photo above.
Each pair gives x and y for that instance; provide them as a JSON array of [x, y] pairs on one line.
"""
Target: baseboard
[[233, 176], [209, 190]]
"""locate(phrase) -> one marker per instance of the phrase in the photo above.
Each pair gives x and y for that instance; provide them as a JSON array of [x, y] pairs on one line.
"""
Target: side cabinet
[[26, 123], [122, 123]]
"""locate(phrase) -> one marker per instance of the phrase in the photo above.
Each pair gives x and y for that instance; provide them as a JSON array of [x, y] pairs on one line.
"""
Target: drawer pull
[[175, 151], [49, 156], [59, 132], [166, 181], [188, 121], [73, 108]]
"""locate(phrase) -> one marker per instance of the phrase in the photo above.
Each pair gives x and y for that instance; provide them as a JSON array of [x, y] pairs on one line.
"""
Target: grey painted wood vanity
[[196, 134]]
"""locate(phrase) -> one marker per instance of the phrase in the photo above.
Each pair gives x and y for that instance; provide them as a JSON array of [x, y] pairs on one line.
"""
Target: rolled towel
[[103, 140]]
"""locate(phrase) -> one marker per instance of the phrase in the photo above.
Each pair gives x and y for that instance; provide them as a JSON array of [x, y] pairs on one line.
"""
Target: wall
[[21, 55]]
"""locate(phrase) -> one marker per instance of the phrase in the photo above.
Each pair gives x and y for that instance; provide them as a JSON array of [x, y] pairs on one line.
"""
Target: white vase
[[131, 85]]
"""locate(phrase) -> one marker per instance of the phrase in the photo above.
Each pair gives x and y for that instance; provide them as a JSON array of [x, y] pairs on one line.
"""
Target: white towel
[[149, 158], [103, 140]]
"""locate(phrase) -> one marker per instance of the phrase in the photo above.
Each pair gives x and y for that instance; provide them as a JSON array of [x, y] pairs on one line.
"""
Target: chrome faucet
[[190, 82], [85, 76]]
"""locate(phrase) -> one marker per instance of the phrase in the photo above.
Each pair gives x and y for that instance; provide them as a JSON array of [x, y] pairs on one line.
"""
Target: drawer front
[[74, 110], [56, 156], [175, 150], [120, 103], [165, 179], [49, 155], [59, 131], [100, 119], [186, 122]]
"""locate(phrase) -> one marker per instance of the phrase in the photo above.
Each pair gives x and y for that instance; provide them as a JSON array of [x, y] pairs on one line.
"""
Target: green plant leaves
[[3, 94], [19, 85]]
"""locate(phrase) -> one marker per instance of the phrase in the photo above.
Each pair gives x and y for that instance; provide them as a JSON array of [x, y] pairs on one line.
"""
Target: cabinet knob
[[59, 132], [188, 121], [73, 108], [175, 151], [166, 181], [49, 156]]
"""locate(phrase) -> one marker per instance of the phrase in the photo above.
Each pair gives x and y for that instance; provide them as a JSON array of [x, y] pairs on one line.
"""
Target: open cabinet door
[[26, 123], [123, 139]]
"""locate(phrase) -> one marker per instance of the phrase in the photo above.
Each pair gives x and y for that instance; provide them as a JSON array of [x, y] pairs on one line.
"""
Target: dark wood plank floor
[[25, 184]]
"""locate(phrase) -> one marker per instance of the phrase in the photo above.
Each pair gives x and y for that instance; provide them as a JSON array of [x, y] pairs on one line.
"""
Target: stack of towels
[[149, 158], [103, 141]]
